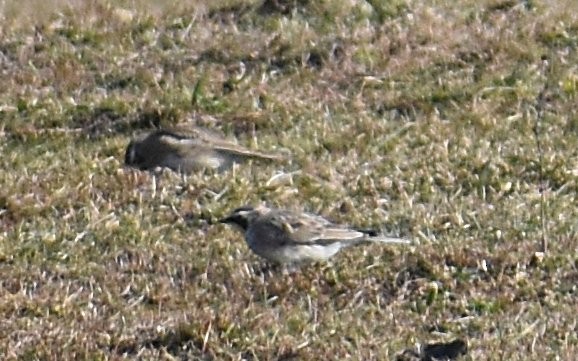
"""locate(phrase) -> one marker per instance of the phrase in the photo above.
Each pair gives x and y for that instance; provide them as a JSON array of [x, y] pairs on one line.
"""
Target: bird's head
[[243, 216], [133, 156]]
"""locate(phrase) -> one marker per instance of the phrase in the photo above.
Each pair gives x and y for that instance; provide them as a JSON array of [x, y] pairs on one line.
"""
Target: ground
[[453, 123]]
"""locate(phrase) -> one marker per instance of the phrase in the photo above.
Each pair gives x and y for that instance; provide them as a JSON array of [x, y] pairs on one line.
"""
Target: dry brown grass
[[413, 117]]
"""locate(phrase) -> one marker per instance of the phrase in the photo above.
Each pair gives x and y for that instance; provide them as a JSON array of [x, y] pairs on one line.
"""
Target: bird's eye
[[296, 224]]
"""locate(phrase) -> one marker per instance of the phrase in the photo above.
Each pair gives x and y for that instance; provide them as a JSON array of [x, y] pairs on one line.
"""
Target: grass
[[416, 118]]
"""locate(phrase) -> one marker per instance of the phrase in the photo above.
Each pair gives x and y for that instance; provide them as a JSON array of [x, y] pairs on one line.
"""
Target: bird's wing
[[304, 228], [190, 153], [199, 137], [239, 151]]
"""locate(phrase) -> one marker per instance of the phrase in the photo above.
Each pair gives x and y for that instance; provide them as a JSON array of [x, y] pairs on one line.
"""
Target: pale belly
[[297, 253]]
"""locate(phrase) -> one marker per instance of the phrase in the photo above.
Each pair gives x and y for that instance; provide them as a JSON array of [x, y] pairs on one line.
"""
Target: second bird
[[189, 151], [284, 236]]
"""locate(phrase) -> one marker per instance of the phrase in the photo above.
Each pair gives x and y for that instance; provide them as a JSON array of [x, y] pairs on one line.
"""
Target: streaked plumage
[[284, 236], [188, 151]]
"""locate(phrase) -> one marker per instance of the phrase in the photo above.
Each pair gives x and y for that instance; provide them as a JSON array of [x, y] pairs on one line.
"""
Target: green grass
[[416, 118]]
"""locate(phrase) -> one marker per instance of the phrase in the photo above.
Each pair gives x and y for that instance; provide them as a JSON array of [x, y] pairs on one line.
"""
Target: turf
[[452, 123]]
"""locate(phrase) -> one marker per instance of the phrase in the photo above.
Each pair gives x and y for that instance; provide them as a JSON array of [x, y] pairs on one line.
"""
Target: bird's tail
[[373, 236], [385, 239]]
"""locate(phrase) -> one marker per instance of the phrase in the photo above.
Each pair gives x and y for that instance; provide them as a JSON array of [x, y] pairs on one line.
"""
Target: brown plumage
[[189, 151]]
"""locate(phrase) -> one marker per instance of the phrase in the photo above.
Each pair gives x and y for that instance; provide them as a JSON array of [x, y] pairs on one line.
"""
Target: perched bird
[[185, 152], [284, 236]]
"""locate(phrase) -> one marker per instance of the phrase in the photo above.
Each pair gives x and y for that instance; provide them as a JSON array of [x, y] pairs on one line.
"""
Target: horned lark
[[284, 236], [188, 151]]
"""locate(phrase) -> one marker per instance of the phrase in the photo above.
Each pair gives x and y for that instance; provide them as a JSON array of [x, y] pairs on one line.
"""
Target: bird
[[288, 237], [186, 151]]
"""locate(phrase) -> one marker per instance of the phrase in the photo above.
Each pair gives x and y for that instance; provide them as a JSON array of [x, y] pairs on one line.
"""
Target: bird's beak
[[235, 221]]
